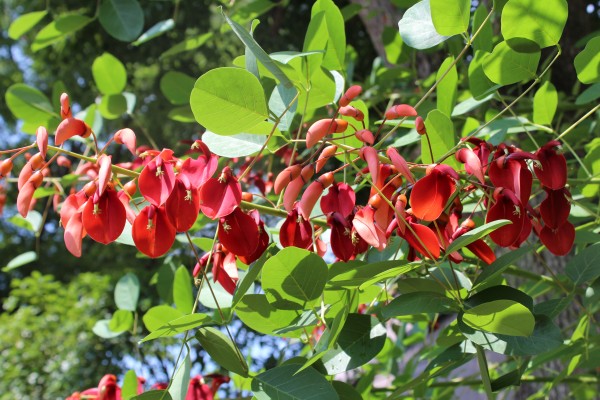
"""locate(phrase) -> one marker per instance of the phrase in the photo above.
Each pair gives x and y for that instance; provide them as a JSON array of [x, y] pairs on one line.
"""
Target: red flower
[[152, 232], [198, 390], [263, 240], [431, 193], [104, 216], [511, 172], [219, 196], [372, 233], [340, 198], [421, 238], [509, 207], [551, 167], [296, 231], [183, 204], [238, 232], [555, 208], [312, 194], [108, 388], [558, 241], [157, 180]]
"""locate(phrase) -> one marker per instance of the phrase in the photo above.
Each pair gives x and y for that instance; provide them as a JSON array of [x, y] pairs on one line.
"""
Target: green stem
[[485, 373]]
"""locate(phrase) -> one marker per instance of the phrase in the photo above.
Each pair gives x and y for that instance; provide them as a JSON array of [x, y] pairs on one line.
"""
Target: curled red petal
[[127, 137], [238, 232], [322, 128], [183, 206], [401, 165], [340, 198], [72, 204], [74, 234], [285, 177], [551, 168], [350, 94], [341, 237], [423, 239], [327, 152], [263, 243], [200, 170], [472, 163], [41, 138], [400, 111], [104, 172], [430, 195], [104, 220], [369, 154], [219, 196], [296, 231], [157, 180], [558, 241], [225, 271], [152, 232], [65, 107], [313, 193], [364, 223], [555, 208], [71, 127], [482, 251], [508, 207]]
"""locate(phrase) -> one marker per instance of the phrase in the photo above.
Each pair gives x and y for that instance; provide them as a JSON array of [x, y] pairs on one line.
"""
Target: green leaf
[[506, 66], [396, 52], [585, 266], [122, 19], [531, 24], [177, 87], [180, 383], [446, 90], [450, 17], [222, 350], [157, 29], [153, 395], [33, 222], [500, 292], [360, 340], [240, 145], [121, 321], [182, 114], [227, 101], [283, 103], [356, 273], [130, 385], [112, 106], [101, 328], [587, 63], [475, 234], [479, 84], [24, 23], [335, 52], [187, 45], [294, 278], [164, 282], [178, 325], [470, 104], [419, 303], [590, 94], [545, 103], [283, 383], [501, 316], [127, 292], [494, 270], [159, 316], [417, 29], [485, 40], [344, 390], [20, 260], [252, 274], [58, 29], [255, 311], [545, 337], [29, 104], [258, 52], [441, 135], [182, 290], [109, 73]]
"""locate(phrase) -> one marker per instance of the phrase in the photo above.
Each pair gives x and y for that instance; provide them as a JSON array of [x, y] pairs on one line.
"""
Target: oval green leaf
[[112, 106], [127, 292], [545, 103], [476, 234], [531, 24], [587, 63], [450, 17], [285, 383], [177, 87], [182, 290], [20, 260], [240, 145], [506, 66], [109, 74], [419, 303], [228, 101], [294, 278], [58, 29], [417, 29], [179, 325], [157, 29], [24, 23], [505, 317], [121, 321], [158, 316], [222, 350], [122, 19], [29, 104]]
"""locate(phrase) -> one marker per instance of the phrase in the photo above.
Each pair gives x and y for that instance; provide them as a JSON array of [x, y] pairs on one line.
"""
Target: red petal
[[74, 234], [238, 232], [558, 241], [552, 169], [295, 231], [309, 198], [152, 232], [104, 221], [71, 127], [218, 197], [70, 206], [41, 139], [104, 173], [285, 177], [263, 243], [157, 181], [350, 94], [472, 163], [182, 206], [400, 111], [199, 171], [423, 239], [507, 206], [400, 163], [430, 195], [226, 273], [483, 251], [127, 137], [369, 154], [341, 237], [555, 208], [340, 198], [365, 226]]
